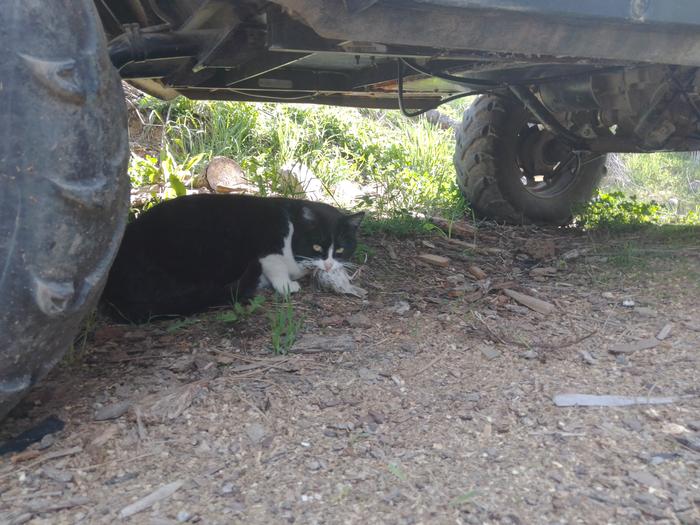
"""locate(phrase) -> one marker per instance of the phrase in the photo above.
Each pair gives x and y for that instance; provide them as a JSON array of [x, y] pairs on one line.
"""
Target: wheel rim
[[547, 166]]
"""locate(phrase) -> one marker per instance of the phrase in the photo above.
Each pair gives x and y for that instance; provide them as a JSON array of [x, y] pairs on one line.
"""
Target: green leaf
[[463, 498], [396, 471], [177, 185]]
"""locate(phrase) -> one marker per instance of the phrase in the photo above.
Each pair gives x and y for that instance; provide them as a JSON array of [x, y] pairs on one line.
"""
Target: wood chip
[[462, 244], [103, 437], [25, 456], [157, 495], [628, 348], [590, 400], [315, 344], [454, 228], [435, 260], [533, 303], [477, 272], [665, 331], [51, 506], [546, 271]]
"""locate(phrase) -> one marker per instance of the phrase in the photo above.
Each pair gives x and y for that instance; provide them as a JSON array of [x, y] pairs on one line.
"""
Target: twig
[[46, 506], [46, 457], [557, 346], [495, 335], [426, 367], [154, 497]]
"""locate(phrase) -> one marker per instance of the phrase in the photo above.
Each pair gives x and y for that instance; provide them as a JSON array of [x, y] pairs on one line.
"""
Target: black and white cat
[[193, 252]]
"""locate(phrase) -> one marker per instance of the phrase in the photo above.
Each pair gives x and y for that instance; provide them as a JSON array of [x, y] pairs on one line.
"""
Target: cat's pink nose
[[328, 265]]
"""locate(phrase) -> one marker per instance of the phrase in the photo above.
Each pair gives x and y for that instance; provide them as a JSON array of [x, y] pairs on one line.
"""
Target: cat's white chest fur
[[280, 270]]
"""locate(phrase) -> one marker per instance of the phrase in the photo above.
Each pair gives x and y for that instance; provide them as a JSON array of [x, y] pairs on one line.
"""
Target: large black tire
[[63, 188], [492, 173]]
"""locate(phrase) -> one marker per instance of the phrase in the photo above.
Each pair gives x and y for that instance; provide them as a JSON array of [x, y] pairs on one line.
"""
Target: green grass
[[397, 225], [620, 212], [405, 165], [284, 326]]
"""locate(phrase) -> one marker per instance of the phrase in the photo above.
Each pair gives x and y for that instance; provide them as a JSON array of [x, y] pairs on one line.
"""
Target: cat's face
[[326, 243]]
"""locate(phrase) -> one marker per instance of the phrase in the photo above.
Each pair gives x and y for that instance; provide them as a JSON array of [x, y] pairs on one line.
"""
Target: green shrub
[[615, 209]]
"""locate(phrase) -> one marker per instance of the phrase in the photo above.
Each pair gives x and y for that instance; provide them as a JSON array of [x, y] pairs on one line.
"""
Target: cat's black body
[[198, 251]]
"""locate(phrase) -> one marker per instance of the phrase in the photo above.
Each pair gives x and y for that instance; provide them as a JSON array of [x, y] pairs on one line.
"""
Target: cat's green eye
[[317, 248], [340, 250]]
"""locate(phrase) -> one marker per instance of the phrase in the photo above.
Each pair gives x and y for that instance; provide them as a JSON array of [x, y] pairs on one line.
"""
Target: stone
[[359, 320], [490, 352], [225, 175], [645, 477], [256, 432]]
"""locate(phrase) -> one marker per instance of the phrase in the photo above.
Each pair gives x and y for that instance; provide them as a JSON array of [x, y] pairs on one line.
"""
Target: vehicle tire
[[63, 190], [511, 169]]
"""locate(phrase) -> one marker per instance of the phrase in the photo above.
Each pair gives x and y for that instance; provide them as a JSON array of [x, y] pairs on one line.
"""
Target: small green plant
[[240, 311], [77, 350], [397, 471], [284, 326], [179, 324], [463, 498], [615, 210], [400, 224], [363, 252]]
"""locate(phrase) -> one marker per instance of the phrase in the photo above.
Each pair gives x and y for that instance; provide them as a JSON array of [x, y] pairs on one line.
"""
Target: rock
[[607, 295], [662, 457], [692, 442], [225, 175], [183, 516], [665, 331], [572, 254], [256, 432], [367, 374], [112, 411], [628, 348], [347, 193], [346, 426], [544, 249], [490, 352], [333, 320], [400, 307], [587, 357], [694, 425], [297, 180], [46, 441], [442, 121], [530, 354], [229, 488], [62, 476], [645, 477], [359, 320], [314, 465], [645, 311], [628, 303]]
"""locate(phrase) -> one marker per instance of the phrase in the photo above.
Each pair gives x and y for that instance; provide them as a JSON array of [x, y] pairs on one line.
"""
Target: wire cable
[[405, 112]]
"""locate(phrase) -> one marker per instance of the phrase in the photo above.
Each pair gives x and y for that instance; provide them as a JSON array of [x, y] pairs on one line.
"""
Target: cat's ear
[[308, 214], [355, 219]]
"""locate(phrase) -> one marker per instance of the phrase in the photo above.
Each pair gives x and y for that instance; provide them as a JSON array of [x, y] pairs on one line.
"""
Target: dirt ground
[[435, 407]]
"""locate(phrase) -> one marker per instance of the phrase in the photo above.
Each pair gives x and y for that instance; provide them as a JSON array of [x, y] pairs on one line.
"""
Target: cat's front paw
[[287, 287]]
